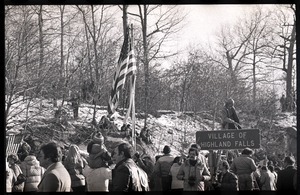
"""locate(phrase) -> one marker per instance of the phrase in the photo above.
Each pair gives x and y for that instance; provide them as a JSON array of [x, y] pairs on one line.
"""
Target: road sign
[[228, 139]]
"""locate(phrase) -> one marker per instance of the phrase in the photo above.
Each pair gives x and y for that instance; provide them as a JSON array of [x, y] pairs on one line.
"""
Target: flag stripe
[[126, 67]]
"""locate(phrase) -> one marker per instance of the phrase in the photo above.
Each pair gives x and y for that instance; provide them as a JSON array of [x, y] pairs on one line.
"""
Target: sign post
[[228, 139]]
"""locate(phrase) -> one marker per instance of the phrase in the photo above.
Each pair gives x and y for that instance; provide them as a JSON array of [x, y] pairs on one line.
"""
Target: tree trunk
[[40, 15], [289, 96], [146, 63]]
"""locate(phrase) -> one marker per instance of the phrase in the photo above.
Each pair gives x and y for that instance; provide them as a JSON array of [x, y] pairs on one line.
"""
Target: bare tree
[[154, 34], [257, 47], [283, 48]]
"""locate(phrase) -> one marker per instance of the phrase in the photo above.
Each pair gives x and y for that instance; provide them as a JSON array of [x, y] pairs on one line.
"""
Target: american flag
[[126, 68]]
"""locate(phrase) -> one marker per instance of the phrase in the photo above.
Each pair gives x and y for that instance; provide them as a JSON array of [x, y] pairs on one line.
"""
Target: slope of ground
[[175, 129]]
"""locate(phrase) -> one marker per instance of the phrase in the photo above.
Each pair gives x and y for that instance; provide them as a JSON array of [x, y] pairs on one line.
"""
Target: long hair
[[74, 156]]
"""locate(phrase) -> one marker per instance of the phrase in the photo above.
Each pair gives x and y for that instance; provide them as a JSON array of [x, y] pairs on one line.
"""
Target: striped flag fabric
[[126, 67], [12, 144]]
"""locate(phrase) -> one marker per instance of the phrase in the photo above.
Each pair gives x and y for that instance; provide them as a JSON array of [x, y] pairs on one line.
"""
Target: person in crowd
[[193, 172], [56, 178], [97, 179], [10, 177], [287, 178], [126, 176], [146, 163], [272, 170], [244, 166], [277, 169], [156, 179], [14, 164], [201, 157], [98, 153], [162, 168], [256, 178], [23, 150], [227, 181], [229, 116], [33, 172], [177, 185], [267, 179], [74, 164]]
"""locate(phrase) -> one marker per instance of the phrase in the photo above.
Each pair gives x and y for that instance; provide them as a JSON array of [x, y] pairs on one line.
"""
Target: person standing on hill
[[229, 116], [162, 168]]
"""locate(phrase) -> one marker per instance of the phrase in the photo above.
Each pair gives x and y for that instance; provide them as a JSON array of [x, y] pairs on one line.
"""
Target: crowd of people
[[52, 170]]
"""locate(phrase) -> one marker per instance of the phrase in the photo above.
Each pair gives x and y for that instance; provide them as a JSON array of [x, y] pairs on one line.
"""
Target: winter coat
[[176, 183], [55, 179], [10, 179], [97, 179], [75, 171], [125, 177], [229, 181], [267, 181], [33, 171], [229, 115], [202, 159], [287, 179], [199, 171], [243, 165], [18, 186], [163, 165]]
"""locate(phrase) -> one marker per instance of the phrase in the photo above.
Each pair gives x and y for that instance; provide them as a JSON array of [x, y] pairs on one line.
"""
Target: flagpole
[[133, 98]]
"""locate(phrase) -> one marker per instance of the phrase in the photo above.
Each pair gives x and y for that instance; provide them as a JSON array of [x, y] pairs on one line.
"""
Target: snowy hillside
[[176, 129]]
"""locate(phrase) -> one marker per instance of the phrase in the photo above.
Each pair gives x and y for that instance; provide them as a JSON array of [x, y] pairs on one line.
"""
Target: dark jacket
[[125, 177], [287, 179], [229, 182], [227, 115], [200, 172]]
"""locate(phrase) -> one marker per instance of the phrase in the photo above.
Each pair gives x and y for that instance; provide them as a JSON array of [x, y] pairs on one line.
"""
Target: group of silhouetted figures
[[57, 169]]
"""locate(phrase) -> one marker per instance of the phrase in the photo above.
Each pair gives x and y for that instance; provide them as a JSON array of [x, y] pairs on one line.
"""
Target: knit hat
[[98, 138], [166, 150]]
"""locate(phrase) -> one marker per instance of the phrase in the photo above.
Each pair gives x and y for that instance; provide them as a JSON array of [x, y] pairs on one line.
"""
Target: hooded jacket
[[33, 171]]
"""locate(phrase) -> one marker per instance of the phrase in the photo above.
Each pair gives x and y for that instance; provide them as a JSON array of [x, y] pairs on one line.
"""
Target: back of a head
[[290, 160], [271, 168], [229, 101], [196, 146], [176, 159], [167, 150], [73, 151], [247, 151], [52, 151], [127, 149]]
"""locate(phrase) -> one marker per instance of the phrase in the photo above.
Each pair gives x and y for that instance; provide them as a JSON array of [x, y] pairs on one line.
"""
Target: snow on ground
[[176, 130]]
